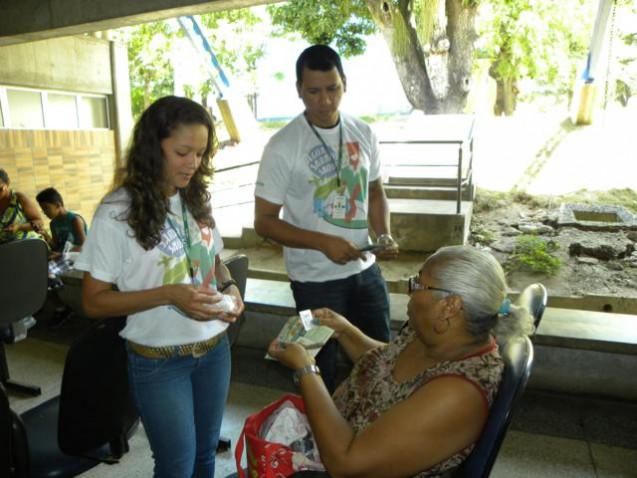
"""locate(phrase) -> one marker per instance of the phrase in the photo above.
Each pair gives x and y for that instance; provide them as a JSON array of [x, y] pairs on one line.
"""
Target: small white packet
[[227, 304], [307, 319]]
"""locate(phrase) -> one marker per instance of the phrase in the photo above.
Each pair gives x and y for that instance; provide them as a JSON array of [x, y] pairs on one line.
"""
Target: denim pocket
[[143, 367]]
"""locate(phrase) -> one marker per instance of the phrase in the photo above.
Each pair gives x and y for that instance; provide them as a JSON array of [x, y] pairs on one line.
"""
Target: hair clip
[[505, 307]]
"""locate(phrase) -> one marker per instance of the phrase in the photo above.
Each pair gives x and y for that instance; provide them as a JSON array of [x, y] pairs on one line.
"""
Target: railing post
[[459, 192]]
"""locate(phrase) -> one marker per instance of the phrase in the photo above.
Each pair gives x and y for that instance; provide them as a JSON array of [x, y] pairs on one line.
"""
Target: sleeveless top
[[370, 389], [14, 214], [64, 231]]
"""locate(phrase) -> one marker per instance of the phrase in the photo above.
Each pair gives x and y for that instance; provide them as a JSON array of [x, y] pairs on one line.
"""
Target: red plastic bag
[[267, 459]]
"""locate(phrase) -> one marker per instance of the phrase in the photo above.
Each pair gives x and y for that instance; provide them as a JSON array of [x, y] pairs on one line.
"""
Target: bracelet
[[296, 377], [227, 284]]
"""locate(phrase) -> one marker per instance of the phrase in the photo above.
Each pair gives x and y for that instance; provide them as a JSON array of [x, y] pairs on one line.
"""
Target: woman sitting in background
[[415, 406], [19, 216]]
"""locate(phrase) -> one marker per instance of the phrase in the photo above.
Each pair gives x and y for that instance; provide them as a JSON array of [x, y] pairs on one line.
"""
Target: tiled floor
[[551, 435]]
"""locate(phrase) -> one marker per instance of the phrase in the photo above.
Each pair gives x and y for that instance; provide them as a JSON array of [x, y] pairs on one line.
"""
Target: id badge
[[338, 207]]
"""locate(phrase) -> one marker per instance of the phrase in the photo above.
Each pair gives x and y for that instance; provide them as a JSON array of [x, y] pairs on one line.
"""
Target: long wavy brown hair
[[143, 177]]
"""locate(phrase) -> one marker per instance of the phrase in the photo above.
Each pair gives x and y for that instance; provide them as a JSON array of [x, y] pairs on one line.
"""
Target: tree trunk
[[436, 75], [506, 98]]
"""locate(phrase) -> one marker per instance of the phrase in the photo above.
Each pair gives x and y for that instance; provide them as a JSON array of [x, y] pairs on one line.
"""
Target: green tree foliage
[[151, 74], [626, 75], [239, 58], [345, 23], [150, 44], [544, 40]]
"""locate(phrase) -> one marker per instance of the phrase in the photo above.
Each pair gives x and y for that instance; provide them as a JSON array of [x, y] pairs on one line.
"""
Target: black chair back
[[23, 287], [518, 361], [23, 279], [238, 267], [534, 297], [96, 406]]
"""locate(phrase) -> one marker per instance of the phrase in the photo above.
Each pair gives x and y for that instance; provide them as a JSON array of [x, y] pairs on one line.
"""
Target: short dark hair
[[4, 176], [318, 57], [50, 196]]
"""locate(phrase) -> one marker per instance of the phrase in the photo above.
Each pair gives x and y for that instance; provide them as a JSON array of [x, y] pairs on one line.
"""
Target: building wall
[[79, 64], [79, 164]]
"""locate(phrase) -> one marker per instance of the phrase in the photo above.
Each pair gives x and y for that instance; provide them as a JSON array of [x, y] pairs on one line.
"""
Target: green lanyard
[[186, 243], [337, 165]]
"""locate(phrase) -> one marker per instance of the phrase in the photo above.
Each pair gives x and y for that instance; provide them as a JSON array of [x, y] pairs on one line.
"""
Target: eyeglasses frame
[[414, 285]]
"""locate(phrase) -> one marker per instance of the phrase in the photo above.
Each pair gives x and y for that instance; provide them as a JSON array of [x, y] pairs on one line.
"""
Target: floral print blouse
[[371, 389]]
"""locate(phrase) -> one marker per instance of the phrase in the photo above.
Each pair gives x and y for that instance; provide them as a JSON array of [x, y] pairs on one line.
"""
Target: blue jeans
[[181, 402], [362, 298]]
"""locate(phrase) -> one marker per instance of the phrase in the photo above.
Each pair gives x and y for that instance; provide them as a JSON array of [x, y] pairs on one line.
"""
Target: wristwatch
[[227, 284], [385, 240], [304, 371]]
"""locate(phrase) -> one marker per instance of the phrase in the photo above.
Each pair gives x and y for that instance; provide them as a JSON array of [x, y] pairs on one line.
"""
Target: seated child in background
[[65, 225]]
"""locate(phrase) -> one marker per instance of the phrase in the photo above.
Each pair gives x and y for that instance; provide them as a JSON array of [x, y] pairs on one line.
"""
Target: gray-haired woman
[[415, 406]]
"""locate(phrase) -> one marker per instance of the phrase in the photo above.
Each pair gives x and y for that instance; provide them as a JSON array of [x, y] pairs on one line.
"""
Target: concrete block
[[584, 372], [425, 226]]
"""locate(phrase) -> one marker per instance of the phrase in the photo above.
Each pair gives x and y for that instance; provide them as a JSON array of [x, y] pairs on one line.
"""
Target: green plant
[[487, 200], [480, 234], [273, 124], [536, 254]]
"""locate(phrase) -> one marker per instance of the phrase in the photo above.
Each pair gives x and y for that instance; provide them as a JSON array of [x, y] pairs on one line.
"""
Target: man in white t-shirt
[[323, 170]]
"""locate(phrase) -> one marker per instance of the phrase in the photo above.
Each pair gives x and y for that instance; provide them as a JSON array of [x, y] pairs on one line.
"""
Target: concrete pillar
[[121, 110]]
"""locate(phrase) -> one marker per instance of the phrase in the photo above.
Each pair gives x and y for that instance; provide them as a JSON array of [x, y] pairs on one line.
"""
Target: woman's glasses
[[415, 286]]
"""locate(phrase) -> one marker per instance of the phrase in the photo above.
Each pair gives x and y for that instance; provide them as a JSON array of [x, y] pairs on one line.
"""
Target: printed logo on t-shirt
[[202, 256], [329, 197]]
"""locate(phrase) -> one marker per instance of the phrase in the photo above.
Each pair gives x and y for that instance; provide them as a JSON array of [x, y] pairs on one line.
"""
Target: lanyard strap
[[186, 243], [338, 164]]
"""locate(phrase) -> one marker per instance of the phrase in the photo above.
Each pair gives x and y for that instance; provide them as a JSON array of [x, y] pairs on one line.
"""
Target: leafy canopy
[[317, 21]]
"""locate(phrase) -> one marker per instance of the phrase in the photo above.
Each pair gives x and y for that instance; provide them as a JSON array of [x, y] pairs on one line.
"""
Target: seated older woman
[[415, 406], [19, 215]]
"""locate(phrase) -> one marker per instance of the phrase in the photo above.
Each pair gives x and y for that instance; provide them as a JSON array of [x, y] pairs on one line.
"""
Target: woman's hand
[[293, 356], [332, 320], [54, 256], [12, 228], [198, 303], [233, 291]]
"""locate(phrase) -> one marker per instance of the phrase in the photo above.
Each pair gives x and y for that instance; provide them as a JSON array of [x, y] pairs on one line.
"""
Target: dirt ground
[[499, 227]]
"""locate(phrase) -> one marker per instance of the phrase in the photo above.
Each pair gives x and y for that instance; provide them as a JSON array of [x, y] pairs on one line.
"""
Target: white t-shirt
[[112, 254], [297, 173]]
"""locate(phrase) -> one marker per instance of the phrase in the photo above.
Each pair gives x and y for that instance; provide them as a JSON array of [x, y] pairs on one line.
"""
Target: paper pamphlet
[[312, 339]]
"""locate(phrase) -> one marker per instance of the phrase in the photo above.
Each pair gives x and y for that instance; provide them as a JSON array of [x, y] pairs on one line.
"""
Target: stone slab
[[588, 330]]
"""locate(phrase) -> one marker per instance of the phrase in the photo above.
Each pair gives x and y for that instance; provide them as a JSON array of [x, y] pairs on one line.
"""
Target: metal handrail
[[460, 142]]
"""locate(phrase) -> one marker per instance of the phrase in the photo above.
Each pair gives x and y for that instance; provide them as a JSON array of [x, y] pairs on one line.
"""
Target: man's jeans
[[362, 298], [181, 402]]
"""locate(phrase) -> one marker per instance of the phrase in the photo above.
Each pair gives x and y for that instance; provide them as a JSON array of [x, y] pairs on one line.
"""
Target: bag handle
[[238, 453]]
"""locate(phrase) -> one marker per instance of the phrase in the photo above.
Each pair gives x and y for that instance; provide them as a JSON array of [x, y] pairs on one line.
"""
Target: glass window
[[61, 112], [26, 109], [93, 112]]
